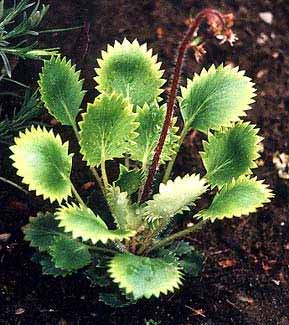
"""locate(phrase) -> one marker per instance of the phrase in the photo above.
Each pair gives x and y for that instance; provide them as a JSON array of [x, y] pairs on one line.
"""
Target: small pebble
[[19, 311], [276, 282], [262, 39], [266, 16], [4, 237], [261, 73]]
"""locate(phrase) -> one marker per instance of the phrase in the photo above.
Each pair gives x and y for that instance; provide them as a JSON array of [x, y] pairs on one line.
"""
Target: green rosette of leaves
[[132, 245]]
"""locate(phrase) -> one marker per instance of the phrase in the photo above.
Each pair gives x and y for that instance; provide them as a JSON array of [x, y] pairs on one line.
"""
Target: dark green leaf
[[41, 231], [129, 180], [230, 153], [61, 89], [69, 254]]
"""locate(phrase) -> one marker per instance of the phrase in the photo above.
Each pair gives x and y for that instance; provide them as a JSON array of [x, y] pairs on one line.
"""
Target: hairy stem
[[103, 173], [173, 93], [101, 249], [77, 196], [177, 235], [98, 178], [126, 161], [173, 159]]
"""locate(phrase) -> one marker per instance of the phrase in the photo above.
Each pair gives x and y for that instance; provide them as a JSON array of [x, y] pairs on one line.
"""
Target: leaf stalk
[[177, 235]]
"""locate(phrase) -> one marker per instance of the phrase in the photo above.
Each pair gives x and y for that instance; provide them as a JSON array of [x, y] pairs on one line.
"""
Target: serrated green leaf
[[107, 130], [143, 276], [239, 198], [69, 254], [188, 258], [41, 231], [130, 70], [84, 224], [98, 277], [115, 299], [129, 180], [61, 90], [216, 98], [125, 216], [230, 153], [48, 266], [151, 119], [175, 197], [43, 161]]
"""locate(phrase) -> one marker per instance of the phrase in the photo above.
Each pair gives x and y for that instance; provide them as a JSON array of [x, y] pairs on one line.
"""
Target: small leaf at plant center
[[175, 197], [151, 119]]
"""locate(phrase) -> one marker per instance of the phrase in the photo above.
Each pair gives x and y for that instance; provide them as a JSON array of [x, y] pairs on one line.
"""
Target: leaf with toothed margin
[[41, 231], [131, 70], [181, 252], [43, 161], [174, 197], [151, 118], [107, 130], [215, 98], [68, 254], [129, 180], [116, 299], [84, 224], [125, 215], [239, 198], [61, 90], [230, 153], [143, 276], [48, 266]]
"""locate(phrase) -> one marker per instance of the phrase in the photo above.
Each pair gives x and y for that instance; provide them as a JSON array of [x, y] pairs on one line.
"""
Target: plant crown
[[137, 251]]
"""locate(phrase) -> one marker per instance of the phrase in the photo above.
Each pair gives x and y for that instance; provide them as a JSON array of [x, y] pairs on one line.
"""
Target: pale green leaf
[[175, 197], [107, 130], [130, 70], [125, 215], [230, 153], [151, 119], [41, 231], [43, 161], [84, 224], [144, 276], [61, 90], [216, 98], [239, 198], [129, 180], [69, 254]]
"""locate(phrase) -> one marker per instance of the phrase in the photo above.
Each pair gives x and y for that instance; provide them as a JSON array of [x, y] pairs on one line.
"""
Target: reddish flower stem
[[206, 13]]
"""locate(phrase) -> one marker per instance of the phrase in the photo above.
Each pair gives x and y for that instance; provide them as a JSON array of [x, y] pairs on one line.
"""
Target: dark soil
[[245, 280]]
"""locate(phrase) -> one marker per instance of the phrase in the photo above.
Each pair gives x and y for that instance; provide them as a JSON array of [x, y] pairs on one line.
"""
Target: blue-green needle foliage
[[136, 253], [19, 27]]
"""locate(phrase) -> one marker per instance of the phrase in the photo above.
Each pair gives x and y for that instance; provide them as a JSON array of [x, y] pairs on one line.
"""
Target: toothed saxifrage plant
[[140, 254]]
